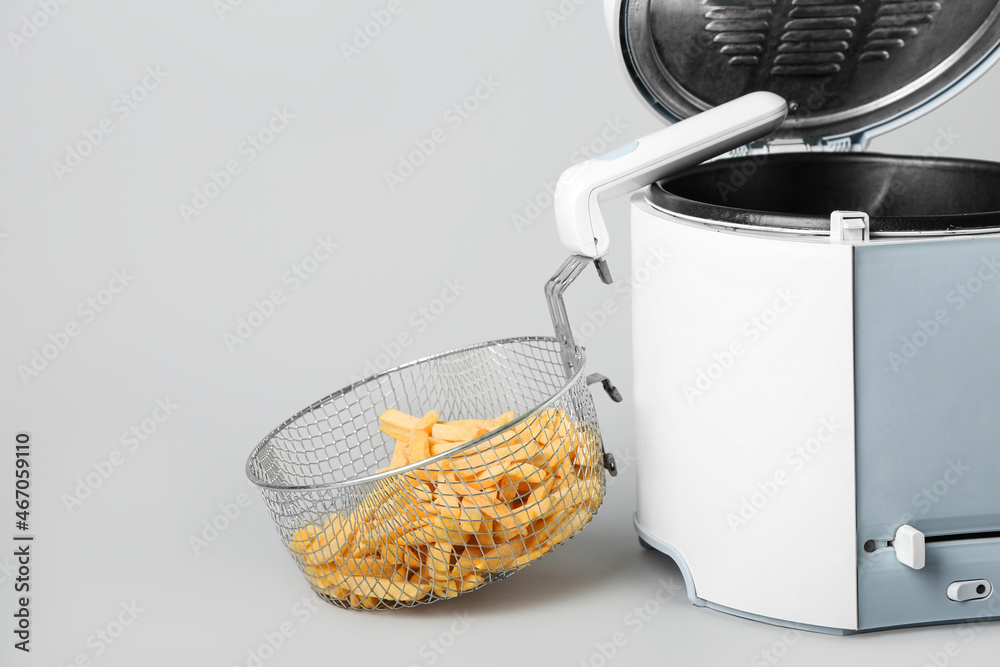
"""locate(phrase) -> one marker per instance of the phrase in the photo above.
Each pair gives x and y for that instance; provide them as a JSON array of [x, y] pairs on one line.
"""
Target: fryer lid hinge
[[764, 147]]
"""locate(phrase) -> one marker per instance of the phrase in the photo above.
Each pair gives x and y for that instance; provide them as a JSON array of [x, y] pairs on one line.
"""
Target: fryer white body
[[744, 400]]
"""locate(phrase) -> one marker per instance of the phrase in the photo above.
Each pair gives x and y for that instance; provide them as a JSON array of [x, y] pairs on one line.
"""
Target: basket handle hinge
[[610, 465], [571, 356], [554, 290], [610, 388], [616, 396]]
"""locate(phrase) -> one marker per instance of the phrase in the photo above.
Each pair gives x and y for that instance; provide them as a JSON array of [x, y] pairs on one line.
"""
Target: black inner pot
[[798, 191]]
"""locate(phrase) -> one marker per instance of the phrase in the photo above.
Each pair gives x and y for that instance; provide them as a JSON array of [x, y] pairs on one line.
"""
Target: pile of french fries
[[439, 530]]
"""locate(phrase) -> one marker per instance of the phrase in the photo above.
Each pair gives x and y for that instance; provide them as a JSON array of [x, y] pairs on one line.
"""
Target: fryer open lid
[[849, 69]]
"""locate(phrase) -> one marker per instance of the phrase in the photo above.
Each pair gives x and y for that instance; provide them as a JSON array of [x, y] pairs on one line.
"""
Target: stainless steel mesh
[[452, 523]]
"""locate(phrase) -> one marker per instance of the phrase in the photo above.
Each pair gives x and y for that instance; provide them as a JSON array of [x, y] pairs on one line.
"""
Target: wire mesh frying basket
[[367, 537]]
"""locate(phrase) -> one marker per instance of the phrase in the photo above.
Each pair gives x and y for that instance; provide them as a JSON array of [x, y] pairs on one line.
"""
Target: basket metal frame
[[298, 502], [574, 360], [472, 444]]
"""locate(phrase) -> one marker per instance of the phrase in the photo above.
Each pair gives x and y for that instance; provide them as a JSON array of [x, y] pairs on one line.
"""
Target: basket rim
[[377, 477]]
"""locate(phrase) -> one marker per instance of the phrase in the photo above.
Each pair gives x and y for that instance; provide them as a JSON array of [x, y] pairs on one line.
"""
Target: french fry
[[333, 543], [478, 424], [439, 556], [399, 454], [505, 418], [399, 590], [442, 446], [421, 534], [317, 574], [456, 432], [360, 567], [301, 541], [417, 447], [445, 528], [393, 432], [399, 420], [427, 422]]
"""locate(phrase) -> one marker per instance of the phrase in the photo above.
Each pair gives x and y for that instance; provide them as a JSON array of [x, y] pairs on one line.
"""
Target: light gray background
[[163, 335]]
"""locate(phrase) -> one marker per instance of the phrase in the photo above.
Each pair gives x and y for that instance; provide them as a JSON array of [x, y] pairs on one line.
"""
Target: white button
[[975, 589], [909, 545]]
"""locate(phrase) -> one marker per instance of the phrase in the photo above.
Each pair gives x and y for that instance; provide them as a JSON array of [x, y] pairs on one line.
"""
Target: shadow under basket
[[367, 537]]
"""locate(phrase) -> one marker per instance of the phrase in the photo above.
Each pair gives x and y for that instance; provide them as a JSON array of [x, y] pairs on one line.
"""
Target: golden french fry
[[471, 521], [442, 446], [386, 588], [445, 529], [448, 503], [485, 501], [504, 419], [565, 526], [317, 574], [441, 529], [397, 419], [439, 557], [333, 543], [418, 448], [393, 432], [399, 455], [361, 567], [301, 541], [420, 535], [455, 432], [484, 424], [426, 422], [462, 580]]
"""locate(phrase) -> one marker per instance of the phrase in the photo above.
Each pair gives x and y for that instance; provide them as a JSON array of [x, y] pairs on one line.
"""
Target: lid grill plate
[[840, 63]]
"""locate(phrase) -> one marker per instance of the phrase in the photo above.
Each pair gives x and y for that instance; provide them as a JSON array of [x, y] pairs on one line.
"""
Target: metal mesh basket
[[370, 538]]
